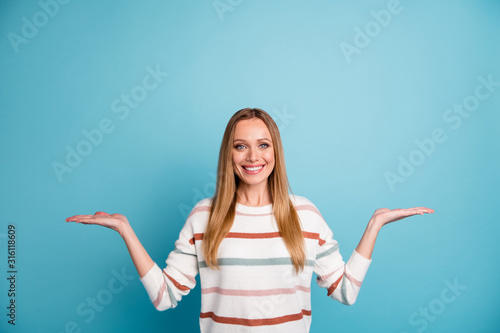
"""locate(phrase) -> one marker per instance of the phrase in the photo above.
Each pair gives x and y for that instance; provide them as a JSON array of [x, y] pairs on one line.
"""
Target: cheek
[[236, 162], [270, 157]]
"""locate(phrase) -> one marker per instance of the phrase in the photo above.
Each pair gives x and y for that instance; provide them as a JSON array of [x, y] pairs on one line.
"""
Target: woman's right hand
[[117, 222], [142, 261]]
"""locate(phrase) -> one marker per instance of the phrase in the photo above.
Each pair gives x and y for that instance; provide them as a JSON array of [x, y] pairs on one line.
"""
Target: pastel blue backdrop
[[120, 106]]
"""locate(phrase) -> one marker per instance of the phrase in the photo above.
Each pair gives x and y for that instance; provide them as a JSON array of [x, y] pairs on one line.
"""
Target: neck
[[253, 195]]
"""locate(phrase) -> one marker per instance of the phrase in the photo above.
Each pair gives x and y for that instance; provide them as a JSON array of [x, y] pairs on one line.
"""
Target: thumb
[[100, 213]]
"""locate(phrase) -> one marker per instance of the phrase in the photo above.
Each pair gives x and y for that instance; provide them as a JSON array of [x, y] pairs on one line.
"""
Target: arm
[[343, 280], [164, 287], [142, 261]]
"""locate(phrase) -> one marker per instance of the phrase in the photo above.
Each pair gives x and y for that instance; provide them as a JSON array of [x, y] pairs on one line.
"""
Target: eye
[[264, 145], [239, 147]]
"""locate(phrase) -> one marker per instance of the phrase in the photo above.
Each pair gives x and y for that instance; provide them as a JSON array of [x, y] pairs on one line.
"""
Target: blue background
[[347, 120]]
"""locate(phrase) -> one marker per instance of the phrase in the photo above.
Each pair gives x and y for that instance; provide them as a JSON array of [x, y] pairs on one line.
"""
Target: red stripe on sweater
[[334, 286], [255, 322], [297, 208], [177, 284], [264, 235]]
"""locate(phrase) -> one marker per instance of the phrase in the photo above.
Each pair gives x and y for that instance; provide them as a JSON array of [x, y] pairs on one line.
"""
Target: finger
[[88, 220], [403, 213], [424, 209], [403, 216], [415, 211], [73, 218], [419, 209]]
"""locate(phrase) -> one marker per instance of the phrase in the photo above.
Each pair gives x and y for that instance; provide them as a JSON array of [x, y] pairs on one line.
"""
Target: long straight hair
[[223, 208]]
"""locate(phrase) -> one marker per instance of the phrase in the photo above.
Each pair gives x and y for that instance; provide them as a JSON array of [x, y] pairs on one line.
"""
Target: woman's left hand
[[383, 216]]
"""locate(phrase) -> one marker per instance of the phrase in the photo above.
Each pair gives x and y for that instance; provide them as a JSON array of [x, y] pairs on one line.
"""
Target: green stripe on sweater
[[327, 252], [253, 262]]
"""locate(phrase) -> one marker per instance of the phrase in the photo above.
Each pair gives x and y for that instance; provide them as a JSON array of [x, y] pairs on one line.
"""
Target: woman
[[254, 245]]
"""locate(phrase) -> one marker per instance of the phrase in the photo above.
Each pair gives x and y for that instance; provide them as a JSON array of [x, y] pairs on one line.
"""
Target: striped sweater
[[256, 288]]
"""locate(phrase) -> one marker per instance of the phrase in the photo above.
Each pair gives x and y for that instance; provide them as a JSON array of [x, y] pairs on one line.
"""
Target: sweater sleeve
[[343, 280], [166, 287]]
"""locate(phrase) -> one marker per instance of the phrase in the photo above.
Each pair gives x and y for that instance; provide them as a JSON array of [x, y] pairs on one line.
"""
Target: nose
[[253, 155]]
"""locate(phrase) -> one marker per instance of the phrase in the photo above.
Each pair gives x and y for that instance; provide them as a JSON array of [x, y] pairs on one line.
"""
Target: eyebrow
[[261, 139]]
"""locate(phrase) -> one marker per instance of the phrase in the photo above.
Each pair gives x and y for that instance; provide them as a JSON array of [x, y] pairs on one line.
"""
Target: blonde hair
[[223, 208]]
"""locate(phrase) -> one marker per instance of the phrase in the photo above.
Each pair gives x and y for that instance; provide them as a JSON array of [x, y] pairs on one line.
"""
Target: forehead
[[251, 129]]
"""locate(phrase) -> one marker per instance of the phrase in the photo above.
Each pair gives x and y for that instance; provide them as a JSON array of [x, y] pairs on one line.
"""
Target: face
[[253, 152]]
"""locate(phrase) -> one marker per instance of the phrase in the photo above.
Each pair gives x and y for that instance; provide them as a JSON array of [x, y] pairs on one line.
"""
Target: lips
[[252, 169]]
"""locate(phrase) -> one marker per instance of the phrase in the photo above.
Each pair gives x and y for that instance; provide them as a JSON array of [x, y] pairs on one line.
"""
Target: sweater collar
[[254, 210]]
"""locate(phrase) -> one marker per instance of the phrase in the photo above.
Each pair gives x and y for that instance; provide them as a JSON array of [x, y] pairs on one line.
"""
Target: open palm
[[111, 221], [383, 216]]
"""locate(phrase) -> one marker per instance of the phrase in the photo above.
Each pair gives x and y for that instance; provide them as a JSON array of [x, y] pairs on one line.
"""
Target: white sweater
[[256, 288]]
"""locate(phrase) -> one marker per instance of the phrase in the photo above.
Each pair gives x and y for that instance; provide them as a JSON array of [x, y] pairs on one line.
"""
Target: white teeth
[[254, 169]]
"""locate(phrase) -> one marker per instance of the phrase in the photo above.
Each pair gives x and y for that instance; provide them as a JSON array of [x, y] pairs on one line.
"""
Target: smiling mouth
[[252, 169]]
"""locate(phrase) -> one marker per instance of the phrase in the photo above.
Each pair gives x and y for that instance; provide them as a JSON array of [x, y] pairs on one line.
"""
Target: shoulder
[[305, 206], [302, 203], [207, 202], [202, 206], [198, 216], [310, 217], [297, 200]]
